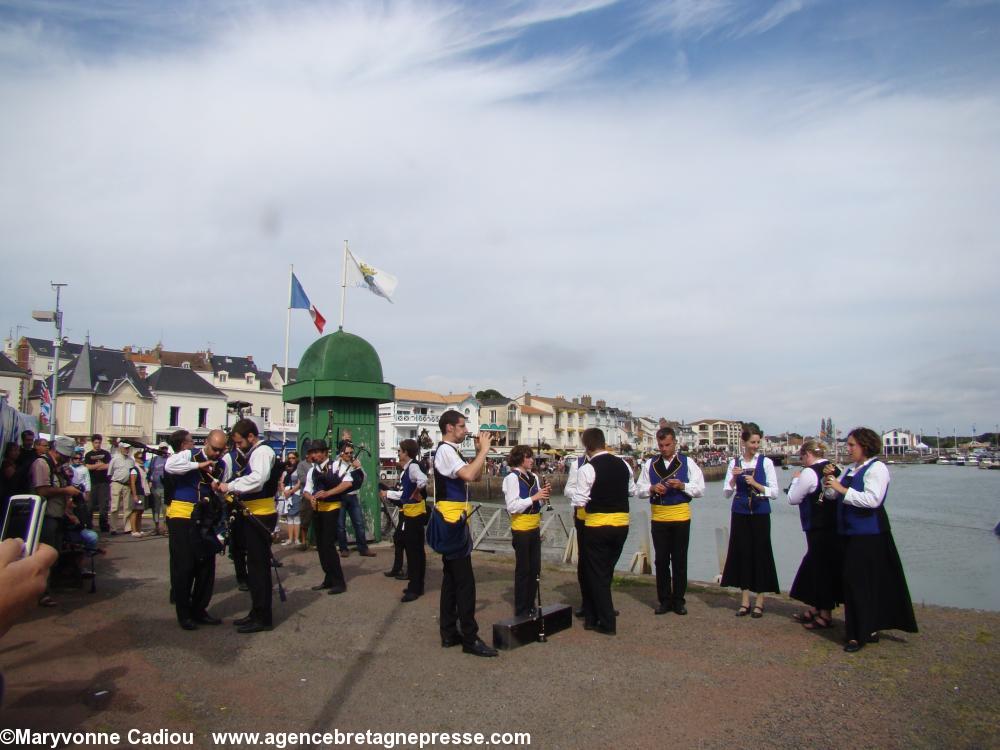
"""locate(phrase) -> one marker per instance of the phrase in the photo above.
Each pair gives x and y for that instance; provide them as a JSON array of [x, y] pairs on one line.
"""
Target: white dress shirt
[[416, 476], [321, 467], [512, 493], [261, 461], [180, 463], [585, 482], [770, 491], [805, 483], [876, 481], [447, 460], [693, 487]]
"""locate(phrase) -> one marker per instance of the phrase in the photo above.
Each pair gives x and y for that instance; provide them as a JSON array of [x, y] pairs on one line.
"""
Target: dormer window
[[223, 377], [250, 378], [185, 365]]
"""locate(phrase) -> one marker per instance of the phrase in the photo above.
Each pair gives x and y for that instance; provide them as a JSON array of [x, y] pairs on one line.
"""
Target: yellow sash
[[581, 514], [179, 509], [679, 512], [324, 506], [451, 510], [607, 519], [525, 521], [412, 510]]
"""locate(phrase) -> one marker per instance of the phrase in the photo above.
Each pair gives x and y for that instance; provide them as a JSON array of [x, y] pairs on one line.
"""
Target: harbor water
[[942, 520]]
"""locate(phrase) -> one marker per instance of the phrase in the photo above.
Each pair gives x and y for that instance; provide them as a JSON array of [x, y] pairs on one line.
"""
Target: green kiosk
[[338, 390]]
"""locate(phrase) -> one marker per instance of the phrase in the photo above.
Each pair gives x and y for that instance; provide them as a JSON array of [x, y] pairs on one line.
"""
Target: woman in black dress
[[817, 583], [875, 593], [751, 482]]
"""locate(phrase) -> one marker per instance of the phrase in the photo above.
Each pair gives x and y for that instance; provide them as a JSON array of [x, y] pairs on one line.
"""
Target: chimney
[[576, 400], [585, 400], [250, 358], [527, 399], [127, 349], [602, 405], [22, 353], [142, 371]]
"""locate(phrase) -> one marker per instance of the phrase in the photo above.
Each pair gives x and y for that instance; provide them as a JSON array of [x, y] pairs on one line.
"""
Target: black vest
[[610, 491]]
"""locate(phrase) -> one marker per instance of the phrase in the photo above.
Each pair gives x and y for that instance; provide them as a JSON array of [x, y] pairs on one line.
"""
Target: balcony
[[513, 423], [416, 419]]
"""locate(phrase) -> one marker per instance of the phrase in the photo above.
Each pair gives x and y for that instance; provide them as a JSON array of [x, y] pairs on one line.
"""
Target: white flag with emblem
[[364, 276]]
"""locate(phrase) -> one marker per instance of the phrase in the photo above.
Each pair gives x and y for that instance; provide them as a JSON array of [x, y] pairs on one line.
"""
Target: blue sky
[[773, 211]]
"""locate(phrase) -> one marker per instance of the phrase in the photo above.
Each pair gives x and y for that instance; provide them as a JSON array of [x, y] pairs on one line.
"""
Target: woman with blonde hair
[[817, 583]]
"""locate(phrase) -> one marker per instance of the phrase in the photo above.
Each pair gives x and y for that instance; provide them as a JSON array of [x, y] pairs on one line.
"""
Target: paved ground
[[364, 660]]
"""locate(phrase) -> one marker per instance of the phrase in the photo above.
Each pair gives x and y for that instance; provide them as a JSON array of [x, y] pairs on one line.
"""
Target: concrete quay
[[116, 660]]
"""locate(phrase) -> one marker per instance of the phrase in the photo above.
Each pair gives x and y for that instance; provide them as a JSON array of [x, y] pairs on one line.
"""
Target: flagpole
[[288, 329], [343, 288]]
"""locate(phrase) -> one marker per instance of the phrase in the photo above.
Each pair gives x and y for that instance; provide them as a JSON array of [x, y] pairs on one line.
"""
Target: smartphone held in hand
[[25, 514]]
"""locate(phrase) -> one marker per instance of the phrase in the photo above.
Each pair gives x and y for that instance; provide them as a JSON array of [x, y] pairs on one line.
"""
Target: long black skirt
[[876, 596], [750, 560], [818, 581]]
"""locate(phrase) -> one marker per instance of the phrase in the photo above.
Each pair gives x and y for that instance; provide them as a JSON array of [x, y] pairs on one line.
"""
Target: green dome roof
[[341, 356]]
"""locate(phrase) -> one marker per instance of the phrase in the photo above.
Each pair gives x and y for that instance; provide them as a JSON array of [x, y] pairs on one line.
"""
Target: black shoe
[[392, 573], [337, 590], [242, 586], [479, 649], [320, 587], [402, 577], [278, 564], [853, 647], [244, 621], [873, 638], [451, 640], [680, 609], [579, 613], [589, 625], [253, 627], [206, 619], [409, 596], [662, 609], [188, 625], [605, 630]]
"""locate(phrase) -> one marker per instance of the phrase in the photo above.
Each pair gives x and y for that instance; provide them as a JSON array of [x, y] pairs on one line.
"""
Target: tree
[[488, 393]]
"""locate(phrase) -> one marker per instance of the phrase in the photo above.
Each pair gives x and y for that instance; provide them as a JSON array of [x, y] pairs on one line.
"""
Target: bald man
[[192, 510]]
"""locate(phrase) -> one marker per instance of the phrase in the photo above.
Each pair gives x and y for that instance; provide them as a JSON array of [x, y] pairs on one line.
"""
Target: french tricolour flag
[[300, 301]]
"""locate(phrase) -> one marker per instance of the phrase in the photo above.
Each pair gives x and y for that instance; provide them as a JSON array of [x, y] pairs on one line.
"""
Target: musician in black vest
[[412, 516], [235, 463], [525, 495], [255, 486], [603, 487], [451, 505], [817, 583], [193, 510], [670, 481], [580, 528], [323, 491]]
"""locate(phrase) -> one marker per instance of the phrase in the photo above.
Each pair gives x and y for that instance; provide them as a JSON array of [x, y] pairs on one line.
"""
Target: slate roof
[[8, 367], [45, 348], [181, 380], [495, 401], [237, 367], [100, 371]]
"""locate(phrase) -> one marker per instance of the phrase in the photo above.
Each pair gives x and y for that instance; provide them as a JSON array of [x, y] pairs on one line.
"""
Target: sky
[[771, 211]]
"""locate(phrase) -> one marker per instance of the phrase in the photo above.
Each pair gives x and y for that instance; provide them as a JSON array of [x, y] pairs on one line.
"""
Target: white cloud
[[774, 16], [670, 244]]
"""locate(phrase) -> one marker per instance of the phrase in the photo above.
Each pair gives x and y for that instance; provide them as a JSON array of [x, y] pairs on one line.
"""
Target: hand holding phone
[[22, 581], [25, 515]]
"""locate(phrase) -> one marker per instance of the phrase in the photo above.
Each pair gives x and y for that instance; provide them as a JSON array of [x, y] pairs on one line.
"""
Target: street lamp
[[55, 317]]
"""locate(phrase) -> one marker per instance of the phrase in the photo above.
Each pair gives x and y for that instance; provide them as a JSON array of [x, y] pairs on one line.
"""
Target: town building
[[415, 414], [717, 433], [15, 384], [501, 416], [100, 391], [898, 441], [184, 400], [38, 356]]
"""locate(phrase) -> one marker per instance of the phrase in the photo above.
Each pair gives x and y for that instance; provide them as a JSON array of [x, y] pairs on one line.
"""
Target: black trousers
[[604, 547], [458, 601], [527, 566], [416, 556], [325, 525], [670, 540], [238, 546], [192, 574], [581, 560], [399, 543], [257, 537]]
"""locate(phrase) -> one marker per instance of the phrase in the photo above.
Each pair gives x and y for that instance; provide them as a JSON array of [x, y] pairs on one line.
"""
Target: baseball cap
[[64, 446]]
